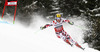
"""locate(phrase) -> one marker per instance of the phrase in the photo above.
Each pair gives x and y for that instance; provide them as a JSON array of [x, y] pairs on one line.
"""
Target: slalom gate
[[10, 3]]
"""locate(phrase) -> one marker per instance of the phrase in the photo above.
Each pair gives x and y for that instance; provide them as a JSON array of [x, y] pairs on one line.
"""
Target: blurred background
[[88, 9]]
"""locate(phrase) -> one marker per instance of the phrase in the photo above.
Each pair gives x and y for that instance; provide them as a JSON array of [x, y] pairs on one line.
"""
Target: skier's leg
[[66, 39], [58, 34], [79, 46], [74, 42], [70, 39]]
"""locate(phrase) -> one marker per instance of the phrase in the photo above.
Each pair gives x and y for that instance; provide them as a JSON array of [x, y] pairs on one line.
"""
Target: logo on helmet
[[58, 15]]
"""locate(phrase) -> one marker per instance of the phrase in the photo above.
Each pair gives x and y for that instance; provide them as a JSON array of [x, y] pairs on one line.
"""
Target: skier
[[57, 23]]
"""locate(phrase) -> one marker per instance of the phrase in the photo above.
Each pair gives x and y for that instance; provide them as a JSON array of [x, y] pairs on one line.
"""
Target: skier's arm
[[71, 23], [47, 25]]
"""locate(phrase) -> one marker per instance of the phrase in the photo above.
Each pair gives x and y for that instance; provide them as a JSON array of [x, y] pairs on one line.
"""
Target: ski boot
[[71, 45], [82, 48], [67, 41]]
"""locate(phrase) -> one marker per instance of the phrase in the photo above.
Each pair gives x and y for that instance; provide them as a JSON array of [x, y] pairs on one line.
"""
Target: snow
[[52, 6], [96, 9], [97, 15], [48, 17], [17, 38], [54, 0], [35, 2], [81, 11], [54, 12], [56, 3], [31, 5], [85, 1], [56, 8]]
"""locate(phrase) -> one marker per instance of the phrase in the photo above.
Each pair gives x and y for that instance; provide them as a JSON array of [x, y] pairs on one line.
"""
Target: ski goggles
[[58, 18]]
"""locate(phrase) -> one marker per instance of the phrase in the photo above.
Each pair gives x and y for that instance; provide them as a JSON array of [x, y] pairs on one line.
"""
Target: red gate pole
[[4, 9], [10, 3], [3, 12], [14, 14]]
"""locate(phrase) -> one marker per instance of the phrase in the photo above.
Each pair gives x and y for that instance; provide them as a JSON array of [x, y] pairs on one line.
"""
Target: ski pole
[[37, 31]]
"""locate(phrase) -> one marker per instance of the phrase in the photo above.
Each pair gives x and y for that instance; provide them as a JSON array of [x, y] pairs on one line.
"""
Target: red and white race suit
[[59, 30]]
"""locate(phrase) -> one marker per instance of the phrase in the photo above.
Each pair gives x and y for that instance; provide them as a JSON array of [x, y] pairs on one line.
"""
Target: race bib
[[59, 28]]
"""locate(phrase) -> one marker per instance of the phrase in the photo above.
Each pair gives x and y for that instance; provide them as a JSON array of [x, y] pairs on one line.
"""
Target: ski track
[[17, 38]]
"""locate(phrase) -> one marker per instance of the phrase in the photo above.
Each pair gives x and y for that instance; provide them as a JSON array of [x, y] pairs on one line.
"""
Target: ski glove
[[71, 23], [42, 28]]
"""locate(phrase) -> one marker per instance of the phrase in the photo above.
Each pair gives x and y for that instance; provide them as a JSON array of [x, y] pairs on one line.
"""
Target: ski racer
[[59, 30]]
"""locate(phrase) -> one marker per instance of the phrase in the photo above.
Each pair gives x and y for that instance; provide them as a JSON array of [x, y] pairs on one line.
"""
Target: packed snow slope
[[18, 38]]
